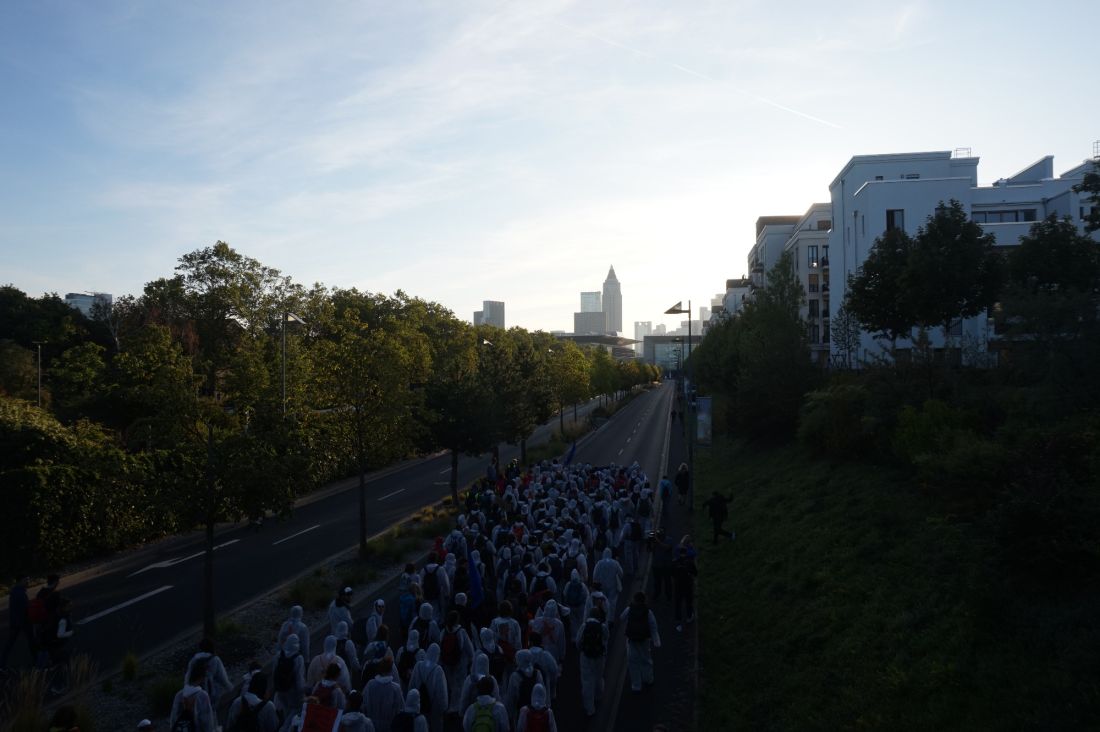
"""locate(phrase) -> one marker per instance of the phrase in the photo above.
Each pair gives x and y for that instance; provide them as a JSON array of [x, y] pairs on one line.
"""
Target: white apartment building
[[642, 328], [808, 245], [772, 233], [874, 193], [738, 292]]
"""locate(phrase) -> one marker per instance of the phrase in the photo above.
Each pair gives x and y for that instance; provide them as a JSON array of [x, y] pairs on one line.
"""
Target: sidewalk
[[671, 699]]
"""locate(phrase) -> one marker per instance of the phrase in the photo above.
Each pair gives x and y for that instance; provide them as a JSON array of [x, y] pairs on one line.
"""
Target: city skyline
[[458, 150]]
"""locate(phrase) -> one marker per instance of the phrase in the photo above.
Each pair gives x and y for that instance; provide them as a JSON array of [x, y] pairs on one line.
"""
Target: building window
[[811, 256], [811, 285], [1004, 217], [815, 333], [895, 219], [955, 328], [878, 177], [815, 311], [824, 225], [911, 176]]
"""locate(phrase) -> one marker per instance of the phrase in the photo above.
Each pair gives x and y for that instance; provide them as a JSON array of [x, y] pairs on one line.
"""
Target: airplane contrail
[[697, 74]]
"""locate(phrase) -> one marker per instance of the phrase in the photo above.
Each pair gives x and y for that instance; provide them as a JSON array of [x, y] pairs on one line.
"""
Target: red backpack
[[538, 720]]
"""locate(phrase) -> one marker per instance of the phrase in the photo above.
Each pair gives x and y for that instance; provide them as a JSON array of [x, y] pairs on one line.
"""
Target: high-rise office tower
[[592, 302], [642, 328], [492, 313], [613, 302]]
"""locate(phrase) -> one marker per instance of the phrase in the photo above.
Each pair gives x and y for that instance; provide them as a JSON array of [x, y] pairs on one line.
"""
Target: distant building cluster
[[85, 301], [875, 193], [601, 312], [491, 313]]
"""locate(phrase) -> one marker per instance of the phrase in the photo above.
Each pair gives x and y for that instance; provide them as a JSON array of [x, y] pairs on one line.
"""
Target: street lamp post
[[676, 310], [287, 317]]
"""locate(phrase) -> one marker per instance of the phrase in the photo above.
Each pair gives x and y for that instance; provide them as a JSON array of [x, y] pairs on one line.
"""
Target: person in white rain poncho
[[456, 654], [436, 585], [216, 680], [574, 595], [545, 662], [548, 625], [192, 704], [426, 626], [376, 619], [340, 609], [429, 679], [353, 719], [319, 665], [469, 686], [252, 705], [609, 573], [345, 649], [521, 684], [592, 643], [485, 710], [406, 657], [295, 626], [288, 678], [383, 700], [537, 715], [411, 718]]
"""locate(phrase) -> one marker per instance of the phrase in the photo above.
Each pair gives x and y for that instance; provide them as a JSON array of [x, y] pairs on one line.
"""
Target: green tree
[[877, 296], [76, 381], [367, 374], [569, 376], [952, 271], [18, 371], [1091, 185], [845, 333]]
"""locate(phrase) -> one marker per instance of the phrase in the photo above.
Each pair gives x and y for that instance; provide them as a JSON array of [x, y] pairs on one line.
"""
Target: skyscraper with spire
[[613, 302]]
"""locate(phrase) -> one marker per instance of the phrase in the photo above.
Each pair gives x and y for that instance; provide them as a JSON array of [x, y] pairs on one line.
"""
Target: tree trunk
[[454, 476], [208, 624], [523, 452]]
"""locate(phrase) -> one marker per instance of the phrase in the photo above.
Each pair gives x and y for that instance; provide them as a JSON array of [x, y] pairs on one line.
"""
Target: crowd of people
[[529, 582]]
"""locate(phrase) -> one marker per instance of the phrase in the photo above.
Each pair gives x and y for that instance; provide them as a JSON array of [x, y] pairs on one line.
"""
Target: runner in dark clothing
[[716, 507]]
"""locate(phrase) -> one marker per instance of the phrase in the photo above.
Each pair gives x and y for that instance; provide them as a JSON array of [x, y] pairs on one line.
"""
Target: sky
[[489, 150]]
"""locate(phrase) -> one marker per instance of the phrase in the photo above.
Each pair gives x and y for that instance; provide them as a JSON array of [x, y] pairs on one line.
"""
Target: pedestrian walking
[[353, 719], [592, 644], [383, 700], [411, 718], [191, 704], [684, 573], [340, 609], [288, 678], [641, 638], [664, 556], [429, 680], [683, 483], [486, 714], [251, 710], [295, 626], [537, 716], [19, 622], [717, 507], [216, 680]]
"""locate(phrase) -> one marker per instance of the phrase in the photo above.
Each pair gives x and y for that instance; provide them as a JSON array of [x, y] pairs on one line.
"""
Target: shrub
[[129, 666], [161, 694], [835, 421]]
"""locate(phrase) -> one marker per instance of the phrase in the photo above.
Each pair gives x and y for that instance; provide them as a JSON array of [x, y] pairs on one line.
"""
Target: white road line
[[179, 560], [445, 470], [128, 603], [620, 452], [303, 531], [628, 439], [442, 482], [390, 495]]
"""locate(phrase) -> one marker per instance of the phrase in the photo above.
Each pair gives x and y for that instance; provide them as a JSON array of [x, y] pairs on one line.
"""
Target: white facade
[[738, 292], [809, 249], [642, 328], [772, 233], [875, 192]]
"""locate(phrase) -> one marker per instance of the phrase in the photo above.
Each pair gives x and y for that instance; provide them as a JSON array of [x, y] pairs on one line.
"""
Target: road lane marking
[[445, 470], [620, 452], [179, 560], [628, 439], [390, 495], [303, 531], [128, 603], [442, 482]]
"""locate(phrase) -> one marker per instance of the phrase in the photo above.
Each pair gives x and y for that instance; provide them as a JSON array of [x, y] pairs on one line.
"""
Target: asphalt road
[[150, 597]]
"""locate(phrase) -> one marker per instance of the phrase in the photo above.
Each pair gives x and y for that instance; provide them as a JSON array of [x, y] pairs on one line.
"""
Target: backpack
[[248, 717], [635, 531], [526, 686], [450, 650], [507, 649], [425, 698], [637, 623], [359, 632], [645, 508], [574, 593], [614, 524], [498, 664], [186, 721], [592, 640], [431, 585], [403, 722], [284, 672], [36, 611], [325, 694], [599, 517], [568, 566], [405, 664], [422, 626], [538, 720], [484, 721], [556, 567]]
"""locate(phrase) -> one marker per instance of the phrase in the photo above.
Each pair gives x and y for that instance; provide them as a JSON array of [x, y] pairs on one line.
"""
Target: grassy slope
[[847, 603]]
